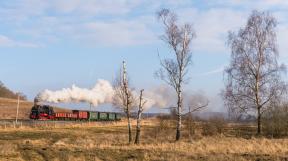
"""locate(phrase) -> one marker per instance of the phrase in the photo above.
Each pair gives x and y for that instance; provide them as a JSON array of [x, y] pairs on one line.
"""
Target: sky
[[52, 44]]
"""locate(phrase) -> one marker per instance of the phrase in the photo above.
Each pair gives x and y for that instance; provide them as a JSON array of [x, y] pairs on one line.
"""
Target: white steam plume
[[103, 93]]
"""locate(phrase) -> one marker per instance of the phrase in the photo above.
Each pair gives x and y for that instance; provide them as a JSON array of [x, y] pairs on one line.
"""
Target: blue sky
[[51, 44]]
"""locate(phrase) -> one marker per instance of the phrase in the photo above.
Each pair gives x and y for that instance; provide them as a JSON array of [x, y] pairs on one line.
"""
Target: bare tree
[[253, 78], [174, 71], [140, 110], [123, 97]]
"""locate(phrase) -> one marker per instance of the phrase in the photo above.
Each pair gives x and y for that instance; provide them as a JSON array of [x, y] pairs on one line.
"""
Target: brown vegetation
[[7, 93], [275, 122], [107, 141]]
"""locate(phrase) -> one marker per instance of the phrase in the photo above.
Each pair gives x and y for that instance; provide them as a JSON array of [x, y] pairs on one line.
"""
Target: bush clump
[[275, 121], [213, 126]]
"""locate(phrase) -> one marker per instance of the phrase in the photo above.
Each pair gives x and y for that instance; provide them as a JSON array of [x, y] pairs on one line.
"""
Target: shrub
[[163, 129], [189, 125], [275, 121], [214, 126]]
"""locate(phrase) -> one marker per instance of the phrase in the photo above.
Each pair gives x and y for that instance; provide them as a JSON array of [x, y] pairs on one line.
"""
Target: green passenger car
[[93, 116], [117, 117], [111, 116], [103, 116]]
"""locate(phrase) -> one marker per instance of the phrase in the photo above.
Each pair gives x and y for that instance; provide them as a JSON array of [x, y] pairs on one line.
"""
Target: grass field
[[108, 141]]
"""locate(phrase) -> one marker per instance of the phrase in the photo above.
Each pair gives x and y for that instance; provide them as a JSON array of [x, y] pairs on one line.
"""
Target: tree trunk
[[179, 119], [129, 128], [190, 123], [140, 110], [259, 130], [138, 128], [258, 104]]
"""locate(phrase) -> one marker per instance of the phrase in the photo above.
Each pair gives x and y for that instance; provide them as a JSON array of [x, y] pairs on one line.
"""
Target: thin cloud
[[121, 22], [117, 33], [217, 70], [8, 42]]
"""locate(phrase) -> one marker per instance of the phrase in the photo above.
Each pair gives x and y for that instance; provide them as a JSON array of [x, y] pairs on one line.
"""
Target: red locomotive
[[44, 112]]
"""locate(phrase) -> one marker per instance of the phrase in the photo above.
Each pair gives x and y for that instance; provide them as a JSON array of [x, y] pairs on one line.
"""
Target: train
[[46, 112]]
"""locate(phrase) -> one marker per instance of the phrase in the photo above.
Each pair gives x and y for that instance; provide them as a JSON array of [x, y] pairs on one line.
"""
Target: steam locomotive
[[46, 112]]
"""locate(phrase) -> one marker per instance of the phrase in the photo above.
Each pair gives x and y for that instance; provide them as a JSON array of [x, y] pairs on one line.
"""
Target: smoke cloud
[[158, 97], [102, 93]]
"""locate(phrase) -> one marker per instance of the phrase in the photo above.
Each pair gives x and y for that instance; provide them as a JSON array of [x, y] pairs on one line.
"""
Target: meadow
[[108, 141]]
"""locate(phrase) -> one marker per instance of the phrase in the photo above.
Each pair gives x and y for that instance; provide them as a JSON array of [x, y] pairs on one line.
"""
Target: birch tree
[[123, 97], [140, 110], [253, 78], [174, 70]]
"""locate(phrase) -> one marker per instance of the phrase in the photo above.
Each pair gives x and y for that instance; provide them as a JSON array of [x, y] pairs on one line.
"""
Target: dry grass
[[108, 141], [8, 109]]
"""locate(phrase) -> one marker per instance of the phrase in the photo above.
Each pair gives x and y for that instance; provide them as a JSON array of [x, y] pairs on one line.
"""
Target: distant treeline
[[7, 93]]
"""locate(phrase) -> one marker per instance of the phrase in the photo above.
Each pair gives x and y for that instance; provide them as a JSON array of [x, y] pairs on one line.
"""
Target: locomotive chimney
[[36, 101]]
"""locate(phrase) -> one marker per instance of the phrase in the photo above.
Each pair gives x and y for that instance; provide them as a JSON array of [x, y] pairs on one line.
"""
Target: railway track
[[9, 123]]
